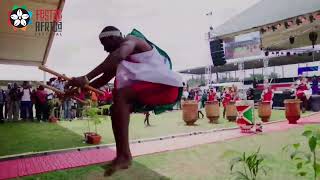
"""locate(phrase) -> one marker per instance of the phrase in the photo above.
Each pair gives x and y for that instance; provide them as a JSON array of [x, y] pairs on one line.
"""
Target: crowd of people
[[24, 102]]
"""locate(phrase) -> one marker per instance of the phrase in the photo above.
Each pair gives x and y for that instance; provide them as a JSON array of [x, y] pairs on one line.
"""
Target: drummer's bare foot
[[119, 163]]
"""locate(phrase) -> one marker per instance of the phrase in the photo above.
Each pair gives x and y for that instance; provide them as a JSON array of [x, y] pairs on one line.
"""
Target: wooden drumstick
[[60, 92], [43, 68]]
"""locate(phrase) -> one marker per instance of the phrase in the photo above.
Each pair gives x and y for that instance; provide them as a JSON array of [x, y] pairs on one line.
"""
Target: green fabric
[[248, 115], [138, 34], [156, 109]]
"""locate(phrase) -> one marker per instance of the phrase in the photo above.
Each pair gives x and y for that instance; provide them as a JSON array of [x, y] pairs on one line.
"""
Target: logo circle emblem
[[19, 18]]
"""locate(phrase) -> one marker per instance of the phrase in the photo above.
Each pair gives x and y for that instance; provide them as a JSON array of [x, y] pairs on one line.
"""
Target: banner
[[306, 69], [245, 45]]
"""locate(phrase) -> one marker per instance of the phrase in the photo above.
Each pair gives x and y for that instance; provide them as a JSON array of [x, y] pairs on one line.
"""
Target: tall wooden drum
[[264, 111], [231, 111], [212, 111], [292, 110], [190, 112]]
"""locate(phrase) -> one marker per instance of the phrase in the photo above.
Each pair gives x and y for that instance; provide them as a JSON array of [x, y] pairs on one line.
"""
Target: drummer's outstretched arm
[[110, 64]]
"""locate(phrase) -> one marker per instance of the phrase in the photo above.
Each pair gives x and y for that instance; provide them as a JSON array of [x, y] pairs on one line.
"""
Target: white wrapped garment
[[147, 66]]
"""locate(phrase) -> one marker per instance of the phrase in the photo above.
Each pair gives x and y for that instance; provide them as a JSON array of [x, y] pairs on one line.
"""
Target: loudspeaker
[[217, 52]]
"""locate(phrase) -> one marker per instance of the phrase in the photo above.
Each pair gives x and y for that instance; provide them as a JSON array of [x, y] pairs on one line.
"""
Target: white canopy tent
[[25, 47]]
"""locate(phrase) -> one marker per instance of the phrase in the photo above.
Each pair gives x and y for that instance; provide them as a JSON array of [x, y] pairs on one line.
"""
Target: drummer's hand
[[81, 81]]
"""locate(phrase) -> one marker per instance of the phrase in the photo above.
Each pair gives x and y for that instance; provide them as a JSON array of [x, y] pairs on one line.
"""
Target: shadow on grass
[[136, 171]]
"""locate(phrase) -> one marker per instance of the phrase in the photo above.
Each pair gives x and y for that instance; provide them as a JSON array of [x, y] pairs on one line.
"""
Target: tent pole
[[44, 77]]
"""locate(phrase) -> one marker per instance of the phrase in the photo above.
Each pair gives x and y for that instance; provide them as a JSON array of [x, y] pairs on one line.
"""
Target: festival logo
[[45, 21], [19, 18]]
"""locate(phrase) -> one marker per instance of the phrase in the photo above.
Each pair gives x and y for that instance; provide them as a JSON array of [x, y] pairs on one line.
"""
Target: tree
[[274, 75]]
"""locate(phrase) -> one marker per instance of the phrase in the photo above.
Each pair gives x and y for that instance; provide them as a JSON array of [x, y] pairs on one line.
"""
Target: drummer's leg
[[201, 114]]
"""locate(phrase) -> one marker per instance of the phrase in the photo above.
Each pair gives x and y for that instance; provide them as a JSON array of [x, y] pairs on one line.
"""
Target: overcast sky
[[177, 26]]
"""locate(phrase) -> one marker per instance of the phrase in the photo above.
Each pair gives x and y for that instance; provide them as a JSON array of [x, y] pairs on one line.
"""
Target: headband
[[109, 33]]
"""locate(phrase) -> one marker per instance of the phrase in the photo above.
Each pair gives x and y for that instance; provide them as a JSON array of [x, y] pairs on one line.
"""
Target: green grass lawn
[[161, 125], [21, 137], [210, 161], [24, 137]]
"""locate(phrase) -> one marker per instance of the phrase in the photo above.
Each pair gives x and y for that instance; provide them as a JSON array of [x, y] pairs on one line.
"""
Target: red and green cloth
[[245, 114], [155, 97]]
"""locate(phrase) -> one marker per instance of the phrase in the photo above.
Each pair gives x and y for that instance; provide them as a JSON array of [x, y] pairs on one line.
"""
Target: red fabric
[[105, 97], [300, 89], [236, 98], [42, 96], [212, 96], [108, 96], [267, 96], [81, 95], [227, 98], [155, 94], [197, 98]]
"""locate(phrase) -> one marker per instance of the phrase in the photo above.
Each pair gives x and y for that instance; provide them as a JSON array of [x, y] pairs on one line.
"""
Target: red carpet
[[52, 162], [64, 160]]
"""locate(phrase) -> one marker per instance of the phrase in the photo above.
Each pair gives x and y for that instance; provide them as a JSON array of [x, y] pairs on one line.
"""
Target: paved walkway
[[45, 163]]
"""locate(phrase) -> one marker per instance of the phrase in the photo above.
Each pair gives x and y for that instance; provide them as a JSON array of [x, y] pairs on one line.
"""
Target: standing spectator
[[59, 84], [73, 111], [15, 97], [26, 104], [33, 101], [67, 104], [94, 99], [41, 104], [80, 95], [315, 85], [50, 100], [2, 102], [8, 106]]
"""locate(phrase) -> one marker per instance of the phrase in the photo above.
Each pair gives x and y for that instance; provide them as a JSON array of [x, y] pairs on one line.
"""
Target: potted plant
[[52, 108], [92, 137]]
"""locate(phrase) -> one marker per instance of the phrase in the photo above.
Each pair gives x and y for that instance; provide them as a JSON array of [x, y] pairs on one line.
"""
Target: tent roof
[[25, 47], [266, 12]]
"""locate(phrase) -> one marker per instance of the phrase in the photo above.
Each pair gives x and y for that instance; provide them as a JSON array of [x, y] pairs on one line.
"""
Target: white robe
[[147, 66]]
